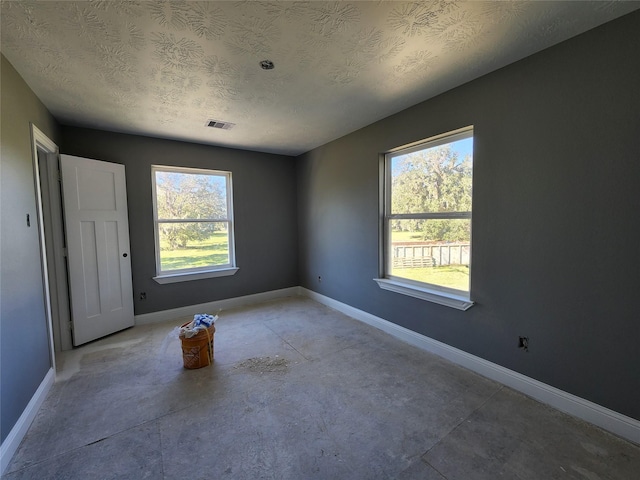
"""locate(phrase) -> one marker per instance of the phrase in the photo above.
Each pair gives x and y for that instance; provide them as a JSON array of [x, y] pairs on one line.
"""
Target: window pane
[[193, 245], [431, 251], [436, 179], [191, 196]]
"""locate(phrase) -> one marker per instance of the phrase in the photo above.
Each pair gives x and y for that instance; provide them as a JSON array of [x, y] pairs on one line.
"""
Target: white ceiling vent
[[219, 124]]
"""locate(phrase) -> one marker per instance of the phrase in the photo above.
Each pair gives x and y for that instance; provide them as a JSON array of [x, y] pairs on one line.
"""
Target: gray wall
[[555, 222], [24, 340], [264, 208]]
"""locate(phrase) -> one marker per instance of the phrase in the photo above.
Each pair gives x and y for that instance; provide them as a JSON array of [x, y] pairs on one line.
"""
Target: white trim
[[185, 277], [213, 307], [40, 140], [435, 141], [19, 430], [423, 293], [625, 427]]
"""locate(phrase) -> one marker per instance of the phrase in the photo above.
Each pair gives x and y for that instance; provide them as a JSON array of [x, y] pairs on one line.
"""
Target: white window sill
[[185, 277], [431, 295]]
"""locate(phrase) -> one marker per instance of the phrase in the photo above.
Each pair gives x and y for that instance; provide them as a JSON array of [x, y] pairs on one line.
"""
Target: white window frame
[[449, 297], [211, 271]]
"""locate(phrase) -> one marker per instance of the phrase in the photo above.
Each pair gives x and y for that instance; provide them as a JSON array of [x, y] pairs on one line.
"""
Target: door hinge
[[65, 253], [71, 326], [59, 176]]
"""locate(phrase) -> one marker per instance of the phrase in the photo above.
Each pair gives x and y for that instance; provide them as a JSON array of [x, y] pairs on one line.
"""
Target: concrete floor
[[299, 391]]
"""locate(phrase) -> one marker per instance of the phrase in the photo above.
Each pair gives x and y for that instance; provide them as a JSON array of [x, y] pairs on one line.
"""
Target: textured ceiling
[[164, 68]]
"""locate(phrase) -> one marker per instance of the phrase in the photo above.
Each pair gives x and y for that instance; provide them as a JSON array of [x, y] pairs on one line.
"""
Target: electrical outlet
[[143, 295], [523, 343]]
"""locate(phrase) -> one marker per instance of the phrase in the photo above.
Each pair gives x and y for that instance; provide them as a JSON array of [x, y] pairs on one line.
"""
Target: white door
[[97, 227]]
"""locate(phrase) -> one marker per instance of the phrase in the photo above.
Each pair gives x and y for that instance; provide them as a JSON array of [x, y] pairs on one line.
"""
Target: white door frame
[[43, 143]]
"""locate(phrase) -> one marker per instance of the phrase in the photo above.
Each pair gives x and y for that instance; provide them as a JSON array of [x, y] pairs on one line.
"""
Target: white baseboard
[[614, 422], [213, 307], [19, 430]]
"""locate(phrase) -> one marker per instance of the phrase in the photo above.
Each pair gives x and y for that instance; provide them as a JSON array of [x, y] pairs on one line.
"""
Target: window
[[193, 217], [427, 219]]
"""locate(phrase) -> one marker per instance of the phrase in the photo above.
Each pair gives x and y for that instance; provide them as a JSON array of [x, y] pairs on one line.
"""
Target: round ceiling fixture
[[267, 65]]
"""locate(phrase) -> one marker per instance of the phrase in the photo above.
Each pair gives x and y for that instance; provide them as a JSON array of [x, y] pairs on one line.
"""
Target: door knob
[[124, 255]]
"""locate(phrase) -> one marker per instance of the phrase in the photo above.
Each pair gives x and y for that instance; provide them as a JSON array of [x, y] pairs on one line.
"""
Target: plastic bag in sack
[[201, 321]]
